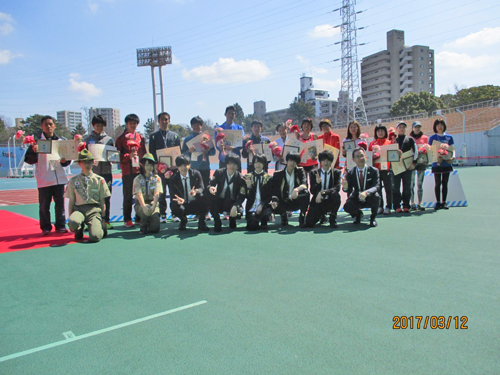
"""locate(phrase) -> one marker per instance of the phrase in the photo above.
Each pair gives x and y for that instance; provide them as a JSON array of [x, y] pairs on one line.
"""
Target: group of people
[[310, 184]]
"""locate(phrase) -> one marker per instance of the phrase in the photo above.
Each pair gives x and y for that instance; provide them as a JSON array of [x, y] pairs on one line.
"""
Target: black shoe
[[202, 227], [302, 220], [357, 220], [79, 234], [143, 231], [183, 223], [217, 228], [104, 233], [333, 222], [437, 206], [284, 220], [444, 206], [373, 223], [322, 220], [232, 222]]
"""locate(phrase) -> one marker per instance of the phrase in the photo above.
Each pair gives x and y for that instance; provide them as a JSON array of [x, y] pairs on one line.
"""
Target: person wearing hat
[[405, 144], [258, 210], [147, 189], [386, 176], [102, 168], [421, 140], [87, 193], [329, 137], [255, 138]]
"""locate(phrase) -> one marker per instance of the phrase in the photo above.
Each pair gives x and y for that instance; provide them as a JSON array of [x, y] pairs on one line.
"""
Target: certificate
[[423, 159], [403, 164], [260, 148], [349, 146], [44, 146], [334, 150], [393, 156], [311, 150], [67, 149], [112, 156], [292, 145], [100, 152], [167, 155], [198, 140], [383, 152], [233, 138], [436, 145]]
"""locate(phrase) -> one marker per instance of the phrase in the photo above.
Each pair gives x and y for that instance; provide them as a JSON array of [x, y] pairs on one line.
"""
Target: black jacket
[[280, 183], [157, 142], [176, 186], [333, 185], [265, 190], [239, 185], [372, 181]]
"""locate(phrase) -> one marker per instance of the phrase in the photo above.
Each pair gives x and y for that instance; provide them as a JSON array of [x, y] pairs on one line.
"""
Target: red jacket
[[381, 142], [333, 140], [124, 148]]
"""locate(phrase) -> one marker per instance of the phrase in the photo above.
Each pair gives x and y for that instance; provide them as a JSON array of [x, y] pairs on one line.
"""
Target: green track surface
[[282, 302]]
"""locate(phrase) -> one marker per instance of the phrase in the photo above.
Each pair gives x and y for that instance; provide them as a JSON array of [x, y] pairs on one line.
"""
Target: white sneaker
[[175, 219], [163, 218]]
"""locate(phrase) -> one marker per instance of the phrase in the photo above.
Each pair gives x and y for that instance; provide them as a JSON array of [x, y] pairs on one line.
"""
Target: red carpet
[[19, 232]]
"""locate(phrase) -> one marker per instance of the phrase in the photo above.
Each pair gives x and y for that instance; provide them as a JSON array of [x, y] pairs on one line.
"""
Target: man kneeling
[[361, 184], [325, 188], [227, 192], [186, 194], [87, 192], [258, 210], [290, 189]]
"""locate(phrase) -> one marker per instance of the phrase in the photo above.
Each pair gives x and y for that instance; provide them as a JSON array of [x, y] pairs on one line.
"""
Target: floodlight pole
[[155, 112], [161, 91]]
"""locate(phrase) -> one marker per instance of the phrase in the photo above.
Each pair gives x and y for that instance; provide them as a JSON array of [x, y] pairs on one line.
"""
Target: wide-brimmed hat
[[85, 155], [149, 157]]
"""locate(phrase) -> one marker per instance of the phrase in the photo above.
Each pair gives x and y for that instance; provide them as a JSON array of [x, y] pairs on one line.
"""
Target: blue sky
[[63, 55]]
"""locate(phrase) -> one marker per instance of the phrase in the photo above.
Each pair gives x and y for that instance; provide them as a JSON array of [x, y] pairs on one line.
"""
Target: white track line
[[98, 332]]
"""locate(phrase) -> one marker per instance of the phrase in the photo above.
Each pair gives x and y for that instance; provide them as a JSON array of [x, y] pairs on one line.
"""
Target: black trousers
[[109, 181], [45, 196], [441, 183], [405, 179], [316, 210], [205, 176], [162, 199], [386, 180], [197, 207], [353, 205], [301, 203], [253, 220], [128, 186]]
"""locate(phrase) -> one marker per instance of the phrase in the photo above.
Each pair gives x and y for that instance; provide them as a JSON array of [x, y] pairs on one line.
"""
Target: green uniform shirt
[[87, 189], [148, 187]]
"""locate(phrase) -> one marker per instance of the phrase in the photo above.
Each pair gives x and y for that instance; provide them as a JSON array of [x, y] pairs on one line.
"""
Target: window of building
[[420, 58], [421, 74]]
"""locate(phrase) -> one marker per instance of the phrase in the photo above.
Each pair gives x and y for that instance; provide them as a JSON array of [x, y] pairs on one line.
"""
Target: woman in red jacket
[[386, 178]]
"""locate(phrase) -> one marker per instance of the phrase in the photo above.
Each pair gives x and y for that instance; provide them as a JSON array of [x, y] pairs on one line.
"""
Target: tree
[[413, 103], [4, 134], [471, 95], [240, 116], [182, 130], [299, 110], [271, 123], [149, 127], [79, 129], [247, 122], [31, 124]]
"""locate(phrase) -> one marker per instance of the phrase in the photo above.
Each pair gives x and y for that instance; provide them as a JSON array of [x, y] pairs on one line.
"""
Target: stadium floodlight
[[155, 57]]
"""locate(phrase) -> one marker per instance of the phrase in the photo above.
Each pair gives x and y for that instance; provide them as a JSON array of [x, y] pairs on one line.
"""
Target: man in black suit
[[186, 194], [361, 184], [259, 193], [290, 189], [163, 138], [405, 144], [227, 192], [325, 188]]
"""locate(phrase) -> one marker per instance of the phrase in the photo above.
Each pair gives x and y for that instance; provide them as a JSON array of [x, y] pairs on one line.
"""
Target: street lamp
[[155, 57]]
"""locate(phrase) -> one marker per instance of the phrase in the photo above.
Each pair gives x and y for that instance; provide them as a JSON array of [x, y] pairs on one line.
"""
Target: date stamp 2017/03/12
[[432, 322]]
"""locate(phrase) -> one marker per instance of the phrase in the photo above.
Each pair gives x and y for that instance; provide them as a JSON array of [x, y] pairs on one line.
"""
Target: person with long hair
[[353, 134], [386, 177], [442, 168], [422, 142]]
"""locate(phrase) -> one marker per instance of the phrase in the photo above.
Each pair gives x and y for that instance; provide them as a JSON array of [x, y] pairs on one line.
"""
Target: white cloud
[[6, 22], [228, 70], [464, 61], [302, 59], [317, 70], [325, 84], [85, 90], [6, 56], [175, 60], [486, 37], [93, 7], [324, 31]]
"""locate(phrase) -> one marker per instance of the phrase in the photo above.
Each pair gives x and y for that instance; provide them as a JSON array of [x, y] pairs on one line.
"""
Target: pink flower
[[364, 135], [168, 173], [376, 156], [130, 136], [363, 145], [78, 137], [444, 146], [220, 136], [81, 146], [277, 151], [248, 144], [422, 150], [376, 148], [443, 152], [162, 167], [294, 128], [205, 138], [133, 144], [29, 139], [19, 134], [204, 146], [288, 122]]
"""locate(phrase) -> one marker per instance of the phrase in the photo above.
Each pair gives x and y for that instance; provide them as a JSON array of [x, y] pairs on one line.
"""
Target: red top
[[422, 140], [333, 140], [125, 149], [309, 162], [381, 142]]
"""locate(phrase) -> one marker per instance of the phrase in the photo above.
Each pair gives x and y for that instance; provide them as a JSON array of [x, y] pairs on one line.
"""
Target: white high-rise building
[[318, 98], [69, 119], [112, 116], [388, 75]]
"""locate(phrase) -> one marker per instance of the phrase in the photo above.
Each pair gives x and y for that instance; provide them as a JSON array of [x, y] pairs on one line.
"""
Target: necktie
[[325, 177], [228, 189], [185, 188], [361, 180]]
